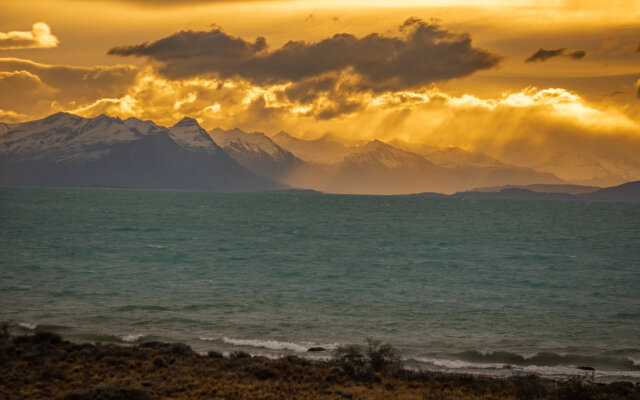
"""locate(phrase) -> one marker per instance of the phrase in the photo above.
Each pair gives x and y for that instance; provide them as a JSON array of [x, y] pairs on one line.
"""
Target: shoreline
[[44, 366]]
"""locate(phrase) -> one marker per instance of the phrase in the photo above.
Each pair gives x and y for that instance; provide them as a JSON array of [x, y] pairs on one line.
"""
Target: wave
[[458, 364], [28, 326], [505, 369], [132, 338], [548, 359], [276, 345]]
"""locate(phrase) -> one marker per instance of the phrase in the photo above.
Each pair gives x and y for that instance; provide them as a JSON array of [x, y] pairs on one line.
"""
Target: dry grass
[[43, 366]]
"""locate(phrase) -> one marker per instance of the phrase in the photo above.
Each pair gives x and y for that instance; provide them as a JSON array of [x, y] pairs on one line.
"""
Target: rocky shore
[[44, 366]]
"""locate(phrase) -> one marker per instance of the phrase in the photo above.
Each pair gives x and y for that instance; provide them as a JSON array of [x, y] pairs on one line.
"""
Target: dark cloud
[[577, 55], [544, 55], [422, 53]]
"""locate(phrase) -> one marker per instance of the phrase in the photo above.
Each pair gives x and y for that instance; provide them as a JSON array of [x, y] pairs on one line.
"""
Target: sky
[[522, 80]]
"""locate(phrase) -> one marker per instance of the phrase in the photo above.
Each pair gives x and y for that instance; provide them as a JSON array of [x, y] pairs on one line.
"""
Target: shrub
[[377, 357], [382, 357]]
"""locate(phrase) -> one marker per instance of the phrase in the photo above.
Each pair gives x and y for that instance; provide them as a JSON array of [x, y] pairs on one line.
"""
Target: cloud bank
[[33, 88], [39, 37], [420, 54]]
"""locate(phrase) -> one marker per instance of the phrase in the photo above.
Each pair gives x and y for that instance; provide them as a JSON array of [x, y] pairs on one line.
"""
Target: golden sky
[[519, 80]]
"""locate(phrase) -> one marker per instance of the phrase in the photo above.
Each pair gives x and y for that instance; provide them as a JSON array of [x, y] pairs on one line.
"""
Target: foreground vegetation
[[43, 366]]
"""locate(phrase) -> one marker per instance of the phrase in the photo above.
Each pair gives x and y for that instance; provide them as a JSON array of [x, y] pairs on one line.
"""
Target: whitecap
[[131, 338], [275, 344], [28, 326], [459, 364]]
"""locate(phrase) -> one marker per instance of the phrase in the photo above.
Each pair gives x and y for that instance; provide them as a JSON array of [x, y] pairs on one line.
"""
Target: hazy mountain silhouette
[[629, 191], [377, 167], [324, 150], [542, 188]]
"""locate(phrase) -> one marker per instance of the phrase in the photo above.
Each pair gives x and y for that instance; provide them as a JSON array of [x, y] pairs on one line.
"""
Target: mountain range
[[67, 150]]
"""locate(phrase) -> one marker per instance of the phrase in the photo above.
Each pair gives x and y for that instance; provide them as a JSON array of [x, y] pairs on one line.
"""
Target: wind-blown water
[[478, 286]]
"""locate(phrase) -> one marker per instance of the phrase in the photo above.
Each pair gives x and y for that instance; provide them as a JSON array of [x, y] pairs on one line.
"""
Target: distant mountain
[[258, 153], [68, 150], [626, 192], [629, 191], [450, 157], [515, 193], [543, 188], [325, 150], [378, 168], [580, 168]]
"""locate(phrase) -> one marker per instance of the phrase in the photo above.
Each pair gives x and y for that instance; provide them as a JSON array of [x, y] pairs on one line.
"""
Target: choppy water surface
[[477, 286]]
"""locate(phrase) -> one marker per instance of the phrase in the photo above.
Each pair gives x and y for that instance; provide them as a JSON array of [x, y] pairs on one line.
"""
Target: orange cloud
[[35, 89], [39, 37]]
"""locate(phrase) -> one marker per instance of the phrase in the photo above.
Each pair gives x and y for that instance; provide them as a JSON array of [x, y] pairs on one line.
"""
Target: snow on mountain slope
[[376, 154], [4, 128], [67, 150], [65, 136], [239, 141], [189, 134]]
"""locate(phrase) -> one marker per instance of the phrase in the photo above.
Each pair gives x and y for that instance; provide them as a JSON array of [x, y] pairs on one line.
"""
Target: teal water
[[474, 286]]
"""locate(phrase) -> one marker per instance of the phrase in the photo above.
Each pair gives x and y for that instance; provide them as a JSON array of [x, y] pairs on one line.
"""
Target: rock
[[317, 348]]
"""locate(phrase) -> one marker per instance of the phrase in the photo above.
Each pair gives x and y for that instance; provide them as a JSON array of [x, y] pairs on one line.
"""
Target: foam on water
[[131, 338], [28, 326]]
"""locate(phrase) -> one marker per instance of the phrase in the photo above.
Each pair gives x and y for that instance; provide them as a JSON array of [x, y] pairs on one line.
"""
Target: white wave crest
[[131, 338], [207, 339], [459, 364], [276, 345], [28, 326]]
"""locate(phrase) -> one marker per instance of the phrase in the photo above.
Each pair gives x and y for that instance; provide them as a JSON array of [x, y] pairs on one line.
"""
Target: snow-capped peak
[[377, 152], [186, 121], [189, 134], [241, 141], [66, 136]]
